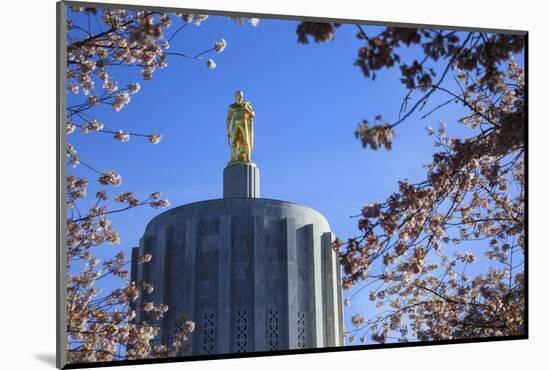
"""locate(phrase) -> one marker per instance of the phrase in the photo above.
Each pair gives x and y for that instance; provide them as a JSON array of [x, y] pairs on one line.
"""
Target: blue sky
[[308, 101]]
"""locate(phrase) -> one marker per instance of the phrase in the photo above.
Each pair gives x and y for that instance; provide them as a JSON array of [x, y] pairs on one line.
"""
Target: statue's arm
[[249, 109], [250, 123], [229, 117]]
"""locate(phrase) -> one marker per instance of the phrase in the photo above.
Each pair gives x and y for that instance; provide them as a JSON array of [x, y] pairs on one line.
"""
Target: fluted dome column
[[241, 180]]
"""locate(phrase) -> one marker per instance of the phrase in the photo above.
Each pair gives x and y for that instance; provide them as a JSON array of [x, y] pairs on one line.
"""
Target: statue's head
[[239, 96]]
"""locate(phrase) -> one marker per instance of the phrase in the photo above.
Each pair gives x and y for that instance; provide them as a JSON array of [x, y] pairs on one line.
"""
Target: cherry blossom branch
[[85, 218], [425, 98]]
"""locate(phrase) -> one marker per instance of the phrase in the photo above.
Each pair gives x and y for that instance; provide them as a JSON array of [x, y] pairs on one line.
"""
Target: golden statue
[[240, 129]]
